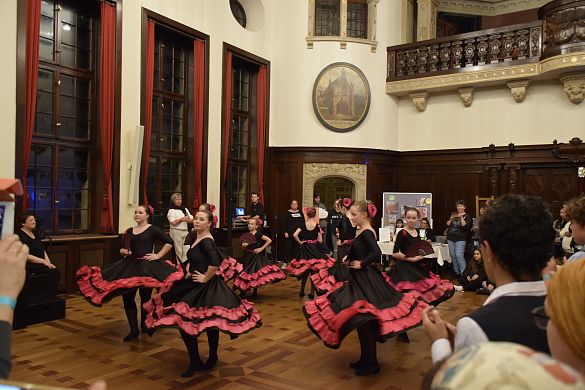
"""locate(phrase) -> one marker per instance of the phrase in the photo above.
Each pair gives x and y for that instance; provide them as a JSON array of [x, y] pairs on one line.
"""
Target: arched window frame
[[343, 37]]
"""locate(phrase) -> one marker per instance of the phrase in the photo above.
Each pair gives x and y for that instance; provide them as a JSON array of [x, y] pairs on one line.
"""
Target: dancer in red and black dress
[[140, 269], [408, 275], [258, 270], [201, 301], [330, 279], [366, 302], [310, 259]]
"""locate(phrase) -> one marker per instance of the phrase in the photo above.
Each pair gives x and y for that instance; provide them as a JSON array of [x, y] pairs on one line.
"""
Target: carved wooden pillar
[[427, 20], [494, 178], [512, 177], [581, 173]]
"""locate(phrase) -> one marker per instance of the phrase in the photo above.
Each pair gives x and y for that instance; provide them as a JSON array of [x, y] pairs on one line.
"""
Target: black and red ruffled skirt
[[309, 260], [330, 279], [229, 268], [258, 271], [99, 285], [195, 307], [412, 278], [366, 296]]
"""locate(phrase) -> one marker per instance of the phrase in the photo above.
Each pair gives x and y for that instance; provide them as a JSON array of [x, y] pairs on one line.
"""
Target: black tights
[[193, 348], [130, 307], [367, 336], [304, 278]]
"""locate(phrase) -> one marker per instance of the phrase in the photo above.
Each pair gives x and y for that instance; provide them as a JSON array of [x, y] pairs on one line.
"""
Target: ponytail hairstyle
[[346, 203], [148, 210]]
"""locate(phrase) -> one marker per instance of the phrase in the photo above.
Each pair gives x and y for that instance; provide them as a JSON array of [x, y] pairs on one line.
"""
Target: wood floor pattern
[[283, 354]]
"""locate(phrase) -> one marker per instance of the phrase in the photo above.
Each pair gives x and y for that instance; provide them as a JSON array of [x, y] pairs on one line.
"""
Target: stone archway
[[313, 172]]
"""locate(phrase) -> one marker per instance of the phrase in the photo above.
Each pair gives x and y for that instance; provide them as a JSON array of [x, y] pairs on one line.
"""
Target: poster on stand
[[395, 204]]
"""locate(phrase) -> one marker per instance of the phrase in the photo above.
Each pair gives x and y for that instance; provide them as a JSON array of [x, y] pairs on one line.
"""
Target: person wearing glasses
[[514, 262]]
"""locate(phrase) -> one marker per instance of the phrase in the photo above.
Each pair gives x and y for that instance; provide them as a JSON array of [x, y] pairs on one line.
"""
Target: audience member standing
[[292, 220], [333, 220], [179, 219], [459, 224], [322, 221]]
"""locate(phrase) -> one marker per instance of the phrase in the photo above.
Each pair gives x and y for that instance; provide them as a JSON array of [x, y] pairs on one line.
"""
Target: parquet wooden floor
[[283, 354]]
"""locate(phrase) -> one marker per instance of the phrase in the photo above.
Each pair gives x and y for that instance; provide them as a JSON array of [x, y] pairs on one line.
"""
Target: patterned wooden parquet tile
[[283, 354]]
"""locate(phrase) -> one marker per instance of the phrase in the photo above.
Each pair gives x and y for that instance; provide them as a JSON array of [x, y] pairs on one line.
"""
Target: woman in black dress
[[38, 261], [201, 301], [258, 270], [293, 219], [141, 269], [474, 275], [310, 259], [366, 302], [330, 279]]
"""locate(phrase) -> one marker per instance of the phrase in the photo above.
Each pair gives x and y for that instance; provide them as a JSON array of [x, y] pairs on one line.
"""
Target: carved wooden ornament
[[574, 86], [467, 96], [518, 89], [574, 151], [419, 99]]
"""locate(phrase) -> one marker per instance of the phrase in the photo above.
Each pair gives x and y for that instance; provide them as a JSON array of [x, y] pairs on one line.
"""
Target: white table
[[441, 251]]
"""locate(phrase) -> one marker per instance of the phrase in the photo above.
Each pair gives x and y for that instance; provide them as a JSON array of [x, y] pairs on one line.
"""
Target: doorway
[[332, 188]]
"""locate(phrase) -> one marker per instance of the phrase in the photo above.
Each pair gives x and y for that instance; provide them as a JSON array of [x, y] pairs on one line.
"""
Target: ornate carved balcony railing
[[553, 47], [564, 27], [486, 49]]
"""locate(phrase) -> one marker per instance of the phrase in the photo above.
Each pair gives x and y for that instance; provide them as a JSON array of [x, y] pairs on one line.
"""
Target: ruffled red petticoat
[[326, 324], [267, 274], [429, 289], [228, 269], [234, 321], [94, 288], [299, 267], [324, 282]]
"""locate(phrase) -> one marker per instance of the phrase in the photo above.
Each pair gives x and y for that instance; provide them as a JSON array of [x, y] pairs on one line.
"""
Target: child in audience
[[474, 275]]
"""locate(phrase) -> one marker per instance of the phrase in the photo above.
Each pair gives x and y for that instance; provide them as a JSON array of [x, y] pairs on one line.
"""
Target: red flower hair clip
[[346, 202], [150, 209], [372, 210], [214, 221], [307, 210], [259, 222], [212, 208]]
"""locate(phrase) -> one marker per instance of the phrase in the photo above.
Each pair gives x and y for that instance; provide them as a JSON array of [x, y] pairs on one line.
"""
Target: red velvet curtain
[[261, 120], [107, 76], [149, 85], [228, 126], [33, 30], [198, 97]]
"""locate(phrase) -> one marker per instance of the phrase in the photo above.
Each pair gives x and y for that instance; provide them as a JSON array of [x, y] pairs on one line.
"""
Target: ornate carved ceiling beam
[[488, 7]]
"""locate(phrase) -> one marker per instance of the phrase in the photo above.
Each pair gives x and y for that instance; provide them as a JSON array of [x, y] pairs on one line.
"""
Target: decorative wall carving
[[419, 99], [494, 178], [574, 86], [574, 151], [518, 89], [488, 8], [313, 172], [512, 177], [467, 96]]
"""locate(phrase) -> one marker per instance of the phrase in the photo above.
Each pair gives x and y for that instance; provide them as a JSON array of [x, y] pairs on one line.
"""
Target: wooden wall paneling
[[459, 185]]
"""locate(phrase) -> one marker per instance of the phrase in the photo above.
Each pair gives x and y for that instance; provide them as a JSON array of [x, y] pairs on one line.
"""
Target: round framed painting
[[341, 97]]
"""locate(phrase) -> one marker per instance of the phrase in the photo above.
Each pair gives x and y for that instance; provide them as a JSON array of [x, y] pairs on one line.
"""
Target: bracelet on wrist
[[7, 301]]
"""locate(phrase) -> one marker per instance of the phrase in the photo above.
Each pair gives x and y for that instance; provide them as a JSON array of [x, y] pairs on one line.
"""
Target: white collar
[[537, 288]]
